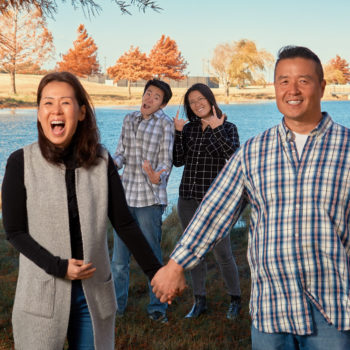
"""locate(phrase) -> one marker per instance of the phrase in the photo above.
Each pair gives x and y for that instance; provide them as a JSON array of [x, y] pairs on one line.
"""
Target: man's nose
[[294, 87]]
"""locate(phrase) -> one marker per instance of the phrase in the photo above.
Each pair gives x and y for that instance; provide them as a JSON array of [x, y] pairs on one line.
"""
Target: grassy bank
[[135, 331], [103, 95]]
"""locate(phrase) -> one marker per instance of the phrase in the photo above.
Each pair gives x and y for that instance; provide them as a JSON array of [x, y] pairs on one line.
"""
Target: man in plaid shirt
[[296, 177], [145, 150]]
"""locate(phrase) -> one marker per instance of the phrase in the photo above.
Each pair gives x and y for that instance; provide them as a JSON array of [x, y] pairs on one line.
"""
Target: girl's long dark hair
[[207, 93], [87, 147]]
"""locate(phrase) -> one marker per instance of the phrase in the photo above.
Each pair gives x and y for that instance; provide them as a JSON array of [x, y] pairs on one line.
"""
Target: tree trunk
[[13, 82], [129, 89], [227, 89]]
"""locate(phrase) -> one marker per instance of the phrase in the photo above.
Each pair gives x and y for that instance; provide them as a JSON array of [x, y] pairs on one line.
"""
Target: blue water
[[18, 127]]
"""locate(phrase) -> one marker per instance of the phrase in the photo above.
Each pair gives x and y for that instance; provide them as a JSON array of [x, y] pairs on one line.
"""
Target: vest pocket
[[36, 296], [105, 299]]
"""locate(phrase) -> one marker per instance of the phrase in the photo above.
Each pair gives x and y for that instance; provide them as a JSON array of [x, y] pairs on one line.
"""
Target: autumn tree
[[166, 60], [132, 66], [337, 71], [248, 63], [90, 7], [25, 41], [81, 60], [221, 63]]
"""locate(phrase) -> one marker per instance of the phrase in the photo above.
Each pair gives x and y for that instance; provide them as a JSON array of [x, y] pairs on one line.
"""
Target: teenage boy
[[145, 150]]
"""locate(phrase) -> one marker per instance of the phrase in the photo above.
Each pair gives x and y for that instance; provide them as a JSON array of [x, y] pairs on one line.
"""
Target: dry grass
[[104, 95], [135, 331]]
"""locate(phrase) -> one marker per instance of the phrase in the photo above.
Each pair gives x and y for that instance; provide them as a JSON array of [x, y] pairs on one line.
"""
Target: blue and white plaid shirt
[[299, 241], [145, 139]]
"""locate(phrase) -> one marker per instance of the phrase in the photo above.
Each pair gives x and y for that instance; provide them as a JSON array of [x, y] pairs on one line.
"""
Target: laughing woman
[[203, 146], [57, 197]]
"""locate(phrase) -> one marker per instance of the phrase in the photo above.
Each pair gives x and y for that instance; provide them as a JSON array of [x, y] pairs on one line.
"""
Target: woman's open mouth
[[57, 126]]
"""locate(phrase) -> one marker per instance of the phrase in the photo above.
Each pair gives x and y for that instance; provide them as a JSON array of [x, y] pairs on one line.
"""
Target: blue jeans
[[80, 332], [149, 220], [325, 337]]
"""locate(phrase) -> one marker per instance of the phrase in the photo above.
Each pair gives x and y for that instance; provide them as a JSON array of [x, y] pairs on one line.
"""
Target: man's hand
[[169, 282], [214, 121], [154, 176], [77, 270], [179, 123]]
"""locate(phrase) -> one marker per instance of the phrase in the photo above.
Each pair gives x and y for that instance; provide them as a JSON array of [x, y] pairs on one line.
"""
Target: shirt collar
[[156, 115], [320, 129]]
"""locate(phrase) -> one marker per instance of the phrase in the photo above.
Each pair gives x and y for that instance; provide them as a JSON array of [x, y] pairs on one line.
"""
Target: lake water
[[18, 127]]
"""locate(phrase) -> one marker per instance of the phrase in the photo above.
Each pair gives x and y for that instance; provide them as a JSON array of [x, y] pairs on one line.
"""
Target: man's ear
[[323, 86]]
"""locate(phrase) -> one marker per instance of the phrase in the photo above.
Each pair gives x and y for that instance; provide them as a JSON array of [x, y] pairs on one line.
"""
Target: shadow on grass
[[135, 331]]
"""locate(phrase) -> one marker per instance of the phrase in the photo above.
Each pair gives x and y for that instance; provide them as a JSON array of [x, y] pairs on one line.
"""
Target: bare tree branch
[[89, 7]]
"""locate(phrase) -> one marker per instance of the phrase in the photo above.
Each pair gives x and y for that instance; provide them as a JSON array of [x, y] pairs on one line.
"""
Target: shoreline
[[117, 97], [132, 103]]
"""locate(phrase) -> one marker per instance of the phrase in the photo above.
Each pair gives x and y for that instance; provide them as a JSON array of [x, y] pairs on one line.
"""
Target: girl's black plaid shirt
[[204, 154]]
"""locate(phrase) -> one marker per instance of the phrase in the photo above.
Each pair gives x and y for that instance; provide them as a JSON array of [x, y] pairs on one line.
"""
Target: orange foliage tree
[[132, 66], [166, 60], [24, 41], [81, 60], [337, 71]]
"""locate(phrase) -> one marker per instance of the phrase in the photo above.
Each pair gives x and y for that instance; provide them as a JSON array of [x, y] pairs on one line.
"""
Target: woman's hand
[[179, 123], [214, 121], [77, 270]]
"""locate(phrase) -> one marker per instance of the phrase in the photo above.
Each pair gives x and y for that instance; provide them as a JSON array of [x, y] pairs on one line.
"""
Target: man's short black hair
[[160, 85], [291, 51]]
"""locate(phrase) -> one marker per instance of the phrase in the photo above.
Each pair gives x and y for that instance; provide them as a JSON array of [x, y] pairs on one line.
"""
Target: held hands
[[154, 176], [179, 123], [169, 282], [77, 270], [214, 121]]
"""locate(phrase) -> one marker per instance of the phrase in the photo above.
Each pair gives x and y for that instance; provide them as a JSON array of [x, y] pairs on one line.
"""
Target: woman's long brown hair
[[87, 147]]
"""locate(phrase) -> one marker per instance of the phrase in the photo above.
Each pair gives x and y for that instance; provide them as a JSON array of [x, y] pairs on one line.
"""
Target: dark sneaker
[[158, 316], [199, 306], [233, 309]]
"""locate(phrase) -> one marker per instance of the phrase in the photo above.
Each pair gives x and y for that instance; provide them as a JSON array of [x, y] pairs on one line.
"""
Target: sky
[[198, 26]]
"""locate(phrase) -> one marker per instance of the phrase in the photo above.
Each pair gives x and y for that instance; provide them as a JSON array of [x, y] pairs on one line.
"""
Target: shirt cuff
[[62, 268], [118, 161], [220, 131], [178, 133], [184, 257]]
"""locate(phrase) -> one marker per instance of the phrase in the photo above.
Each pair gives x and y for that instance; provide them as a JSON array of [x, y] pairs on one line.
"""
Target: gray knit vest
[[42, 302]]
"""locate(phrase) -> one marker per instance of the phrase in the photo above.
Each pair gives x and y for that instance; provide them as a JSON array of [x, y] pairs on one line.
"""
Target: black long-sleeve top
[[14, 212], [204, 154]]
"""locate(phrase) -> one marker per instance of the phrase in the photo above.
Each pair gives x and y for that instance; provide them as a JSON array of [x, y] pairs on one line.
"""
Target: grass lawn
[[135, 331], [104, 95]]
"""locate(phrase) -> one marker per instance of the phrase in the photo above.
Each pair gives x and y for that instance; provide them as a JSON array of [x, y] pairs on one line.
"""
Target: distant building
[[186, 83]]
